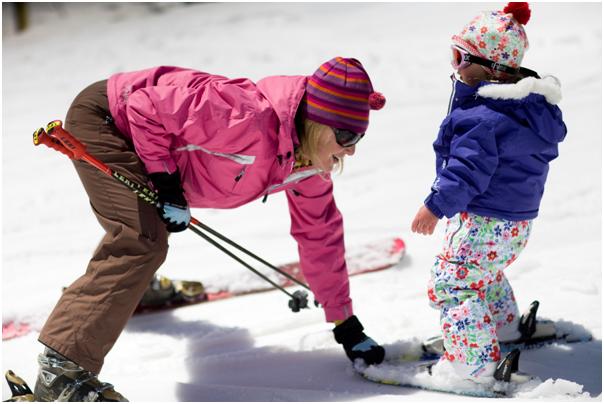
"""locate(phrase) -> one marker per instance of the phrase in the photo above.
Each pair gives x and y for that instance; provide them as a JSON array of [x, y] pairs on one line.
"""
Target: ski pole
[[55, 137], [251, 254], [298, 299], [75, 149], [59, 139]]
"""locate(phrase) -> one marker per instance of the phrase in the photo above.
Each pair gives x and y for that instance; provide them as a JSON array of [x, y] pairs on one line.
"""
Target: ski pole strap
[[249, 253]]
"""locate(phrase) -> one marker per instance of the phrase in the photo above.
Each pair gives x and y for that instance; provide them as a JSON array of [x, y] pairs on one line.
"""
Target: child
[[492, 157]]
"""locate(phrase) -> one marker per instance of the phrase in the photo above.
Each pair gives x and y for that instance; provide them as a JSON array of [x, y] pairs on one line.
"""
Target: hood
[[284, 93], [530, 102], [549, 87]]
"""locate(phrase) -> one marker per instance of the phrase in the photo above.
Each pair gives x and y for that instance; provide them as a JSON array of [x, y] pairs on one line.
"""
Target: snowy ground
[[253, 348]]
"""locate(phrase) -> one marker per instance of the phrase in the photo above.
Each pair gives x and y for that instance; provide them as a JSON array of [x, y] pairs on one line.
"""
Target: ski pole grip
[[56, 131], [41, 137], [74, 146]]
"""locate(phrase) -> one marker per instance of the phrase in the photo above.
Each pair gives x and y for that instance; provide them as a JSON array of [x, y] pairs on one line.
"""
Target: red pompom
[[376, 100], [520, 11]]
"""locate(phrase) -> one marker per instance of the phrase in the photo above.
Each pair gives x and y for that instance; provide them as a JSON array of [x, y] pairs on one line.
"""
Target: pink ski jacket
[[233, 142]]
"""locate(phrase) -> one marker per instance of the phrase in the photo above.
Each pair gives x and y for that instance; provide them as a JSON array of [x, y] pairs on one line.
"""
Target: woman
[[203, 141]]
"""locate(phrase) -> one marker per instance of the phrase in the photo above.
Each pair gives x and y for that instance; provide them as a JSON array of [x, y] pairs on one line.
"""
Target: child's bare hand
[[424, 222]]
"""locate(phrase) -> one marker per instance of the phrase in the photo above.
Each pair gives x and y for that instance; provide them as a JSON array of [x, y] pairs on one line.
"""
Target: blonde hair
[[312, 140]]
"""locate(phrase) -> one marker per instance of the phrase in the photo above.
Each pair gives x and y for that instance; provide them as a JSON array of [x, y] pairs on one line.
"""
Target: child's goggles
[[461, 58], [347, 138]]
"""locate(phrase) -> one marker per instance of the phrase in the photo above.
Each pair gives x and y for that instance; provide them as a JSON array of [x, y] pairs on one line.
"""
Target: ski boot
[[528, 332], [163, 292], [493, 379], [19, 389], [60, 379], [160, 291]]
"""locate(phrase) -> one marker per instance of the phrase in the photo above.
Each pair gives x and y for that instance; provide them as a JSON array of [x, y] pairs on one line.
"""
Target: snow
[[253, 348]]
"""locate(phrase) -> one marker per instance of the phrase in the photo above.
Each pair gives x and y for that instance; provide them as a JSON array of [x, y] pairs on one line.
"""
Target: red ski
[[371, 257], [375, 256]]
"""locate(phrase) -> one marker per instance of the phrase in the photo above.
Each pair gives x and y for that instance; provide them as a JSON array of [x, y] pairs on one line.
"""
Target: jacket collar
[[548, 86], [465, 96], [462, 95], [284, 93]]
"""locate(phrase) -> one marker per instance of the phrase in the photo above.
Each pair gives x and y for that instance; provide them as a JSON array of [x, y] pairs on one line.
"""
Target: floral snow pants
[[469, 287]]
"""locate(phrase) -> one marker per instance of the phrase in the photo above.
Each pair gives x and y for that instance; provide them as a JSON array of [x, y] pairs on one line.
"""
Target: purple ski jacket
[[233, 141], [494, 148]]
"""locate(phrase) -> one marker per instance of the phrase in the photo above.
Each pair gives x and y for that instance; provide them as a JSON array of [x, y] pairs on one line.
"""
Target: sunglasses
[[461, 58], [347, 138]]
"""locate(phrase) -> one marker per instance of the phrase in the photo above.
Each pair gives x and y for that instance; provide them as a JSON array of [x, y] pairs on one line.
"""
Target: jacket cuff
[[429, 202], [338, 313], [161, 166]]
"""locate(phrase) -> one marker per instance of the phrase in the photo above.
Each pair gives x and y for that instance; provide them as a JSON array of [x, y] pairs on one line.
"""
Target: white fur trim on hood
[[548, 86]]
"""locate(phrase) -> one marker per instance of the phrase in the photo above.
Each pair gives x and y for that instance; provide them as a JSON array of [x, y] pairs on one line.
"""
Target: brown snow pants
[[93, 311]]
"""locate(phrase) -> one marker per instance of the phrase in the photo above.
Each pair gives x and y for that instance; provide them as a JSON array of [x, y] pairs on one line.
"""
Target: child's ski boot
[[529, 332]]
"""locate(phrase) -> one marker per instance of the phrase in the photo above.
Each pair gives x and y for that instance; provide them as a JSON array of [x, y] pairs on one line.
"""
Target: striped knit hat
[[339, 94]]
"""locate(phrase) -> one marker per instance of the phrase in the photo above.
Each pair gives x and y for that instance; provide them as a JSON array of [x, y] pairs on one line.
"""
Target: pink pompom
[[520, 11], [376, 100]]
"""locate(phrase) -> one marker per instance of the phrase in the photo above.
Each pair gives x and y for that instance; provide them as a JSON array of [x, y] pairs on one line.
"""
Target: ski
[[14, 329], [507, 382], [432, 347], [534, 333], [418, 375], [409, 363], [374, 256]]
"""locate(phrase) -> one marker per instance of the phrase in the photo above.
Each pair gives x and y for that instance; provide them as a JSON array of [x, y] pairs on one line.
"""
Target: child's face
[[473, 74]]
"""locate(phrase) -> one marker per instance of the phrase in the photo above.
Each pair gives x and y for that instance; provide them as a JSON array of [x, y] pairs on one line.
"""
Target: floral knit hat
[[497, 35]]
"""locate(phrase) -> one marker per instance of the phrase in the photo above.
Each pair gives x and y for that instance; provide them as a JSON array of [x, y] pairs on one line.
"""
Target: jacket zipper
[[238, 177]]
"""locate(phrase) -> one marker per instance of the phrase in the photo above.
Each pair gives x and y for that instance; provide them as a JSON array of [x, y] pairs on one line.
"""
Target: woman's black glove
[[172, 205], [356, 344]]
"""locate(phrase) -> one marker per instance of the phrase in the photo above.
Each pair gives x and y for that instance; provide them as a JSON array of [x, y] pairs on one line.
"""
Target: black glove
[[172, 205], [356, 344]]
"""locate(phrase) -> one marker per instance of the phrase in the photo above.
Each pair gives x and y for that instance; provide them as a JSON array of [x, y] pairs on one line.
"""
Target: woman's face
[[330, 152], [472, 74]]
